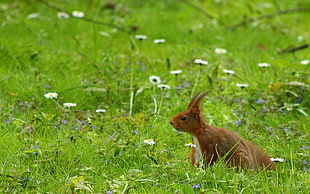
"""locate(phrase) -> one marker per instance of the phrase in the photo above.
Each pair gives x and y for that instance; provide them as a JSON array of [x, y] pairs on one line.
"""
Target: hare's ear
[[194, 105]]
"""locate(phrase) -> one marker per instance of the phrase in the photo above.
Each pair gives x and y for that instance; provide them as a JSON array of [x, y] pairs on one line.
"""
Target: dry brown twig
[[248, 20], [83, 18], [280, 12]]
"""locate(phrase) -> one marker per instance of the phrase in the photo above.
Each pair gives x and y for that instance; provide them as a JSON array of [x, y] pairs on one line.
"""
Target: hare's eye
[[183, 118]]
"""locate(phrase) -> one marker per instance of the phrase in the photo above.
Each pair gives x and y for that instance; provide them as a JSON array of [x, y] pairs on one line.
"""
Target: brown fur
[[219, 143]]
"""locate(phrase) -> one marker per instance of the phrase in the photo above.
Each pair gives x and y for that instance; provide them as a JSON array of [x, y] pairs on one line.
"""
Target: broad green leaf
[[48, 116], [81, 186], [31, 151], [18, 122], [296, 83], [78, 180], [145, 180], [213, 14], [94, 89], [281, 63], [292, 93], [214, 72], [302, 112], [274, 87]]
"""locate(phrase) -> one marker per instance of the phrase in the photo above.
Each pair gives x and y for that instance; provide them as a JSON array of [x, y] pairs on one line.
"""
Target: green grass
[[46, 147]]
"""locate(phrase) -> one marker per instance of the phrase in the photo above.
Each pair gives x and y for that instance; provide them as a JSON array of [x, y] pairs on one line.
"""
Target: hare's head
[[191, 119]]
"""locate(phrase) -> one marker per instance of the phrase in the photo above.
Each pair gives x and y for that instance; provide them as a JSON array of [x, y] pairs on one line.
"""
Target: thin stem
[[155, 104], [157, 110], [196, 81], [131, 103], [95, 43], [131, 78], [161, 102], [61, 107]]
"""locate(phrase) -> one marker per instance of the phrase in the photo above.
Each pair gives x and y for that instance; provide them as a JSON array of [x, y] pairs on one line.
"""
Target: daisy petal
[[51, 95], [154, 79], [149, 141], [276, 159], [69, 104], [220, 51], [78, 14]]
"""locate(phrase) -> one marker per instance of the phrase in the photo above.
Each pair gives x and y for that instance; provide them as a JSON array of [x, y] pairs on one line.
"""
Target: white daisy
[[104, 34], [159, 41], [154, 79], [63, 15], [33, 16], [149, 141], [276, 159], [220, 51], [242, 85], [101, 110], [305, 62], [176, 72], [89, 120], [201, 62], [69, 104], [51, 95], [263, 64], [140, 37], [228, 71], [78, 14], [190, 145], [163, 86]]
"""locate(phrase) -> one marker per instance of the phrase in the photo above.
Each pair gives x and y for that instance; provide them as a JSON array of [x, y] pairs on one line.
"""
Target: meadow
[[87, 90]]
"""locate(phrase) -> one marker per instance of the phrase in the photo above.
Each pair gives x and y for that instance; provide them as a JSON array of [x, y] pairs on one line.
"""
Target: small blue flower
[[238, 123], [94, 127], [36, 147], [64, 121], [8, 121], [187, 84], [143, 67], [81, 122], [47, 86], [259, 101], [196, 186], [282, 111]]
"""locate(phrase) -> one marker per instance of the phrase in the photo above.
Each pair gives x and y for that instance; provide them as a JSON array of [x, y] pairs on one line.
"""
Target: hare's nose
[[170, 122]]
